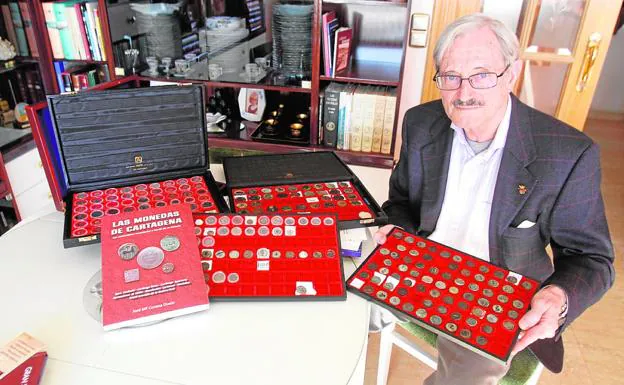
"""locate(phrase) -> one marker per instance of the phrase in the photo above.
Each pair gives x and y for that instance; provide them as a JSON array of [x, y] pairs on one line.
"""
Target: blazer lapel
[[436, 155], [514, 183]]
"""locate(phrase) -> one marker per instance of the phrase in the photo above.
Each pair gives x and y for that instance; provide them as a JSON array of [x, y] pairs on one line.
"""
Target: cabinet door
[[25, 171], [122, 21], [35, 201]]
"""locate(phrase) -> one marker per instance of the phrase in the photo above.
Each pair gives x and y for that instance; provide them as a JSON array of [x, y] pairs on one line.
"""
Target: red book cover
[[330, 25], [29, 29], [22, 361], [342, 49], [151, 268]]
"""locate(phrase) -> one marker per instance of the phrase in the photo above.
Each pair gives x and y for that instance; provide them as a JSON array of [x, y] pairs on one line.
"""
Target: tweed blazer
[[549, 174]]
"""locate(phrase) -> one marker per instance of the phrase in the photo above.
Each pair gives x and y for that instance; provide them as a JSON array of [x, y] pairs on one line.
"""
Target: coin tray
[[88, 207], [336, 197], [271, 257], [118, 143], [302, 183], [468, 300]]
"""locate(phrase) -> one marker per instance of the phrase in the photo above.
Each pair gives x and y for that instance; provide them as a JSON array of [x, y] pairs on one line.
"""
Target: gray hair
[[506, 38]]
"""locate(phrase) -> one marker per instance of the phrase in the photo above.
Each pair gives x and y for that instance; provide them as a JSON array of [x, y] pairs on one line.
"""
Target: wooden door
[[563, 44]]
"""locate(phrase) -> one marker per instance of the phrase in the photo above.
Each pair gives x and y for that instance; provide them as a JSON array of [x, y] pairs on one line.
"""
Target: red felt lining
[[499, 342], [137, 197], [280, 280]]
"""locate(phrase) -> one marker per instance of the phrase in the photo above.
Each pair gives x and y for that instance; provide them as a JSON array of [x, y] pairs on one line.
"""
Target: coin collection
[[149, 258], [90, 206], [469, 300], [270, 256], [336, 197]]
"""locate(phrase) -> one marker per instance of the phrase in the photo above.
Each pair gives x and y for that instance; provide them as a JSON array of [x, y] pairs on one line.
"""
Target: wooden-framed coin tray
[[300, 183], [468, 300], [115, 146], [271, 257]]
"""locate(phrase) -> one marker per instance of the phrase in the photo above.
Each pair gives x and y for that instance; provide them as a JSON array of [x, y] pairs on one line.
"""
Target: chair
[[525, 368]]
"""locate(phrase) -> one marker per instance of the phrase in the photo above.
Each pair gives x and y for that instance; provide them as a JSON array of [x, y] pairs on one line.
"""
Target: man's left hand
[[542, 321]]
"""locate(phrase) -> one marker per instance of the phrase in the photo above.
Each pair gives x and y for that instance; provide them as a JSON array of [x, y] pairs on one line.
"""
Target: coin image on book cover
[[150, 257], [127, 251], [168, 268], [170, 243]]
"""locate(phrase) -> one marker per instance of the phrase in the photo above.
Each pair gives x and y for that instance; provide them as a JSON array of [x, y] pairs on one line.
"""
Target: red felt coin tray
[[88, 207], [470, 301], [340, 197], [271, 257]]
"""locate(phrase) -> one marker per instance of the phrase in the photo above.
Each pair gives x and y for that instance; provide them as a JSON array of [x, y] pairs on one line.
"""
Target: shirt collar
[[499, 138]]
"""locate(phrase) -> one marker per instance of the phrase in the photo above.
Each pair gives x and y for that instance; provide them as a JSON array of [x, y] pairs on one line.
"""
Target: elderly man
[[484, 173]]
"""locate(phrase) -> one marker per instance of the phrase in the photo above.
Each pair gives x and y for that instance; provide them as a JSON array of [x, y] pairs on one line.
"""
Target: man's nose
[[465, 90]]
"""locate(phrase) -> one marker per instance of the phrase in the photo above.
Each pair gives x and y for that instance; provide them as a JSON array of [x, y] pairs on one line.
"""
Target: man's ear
[[515, 70]]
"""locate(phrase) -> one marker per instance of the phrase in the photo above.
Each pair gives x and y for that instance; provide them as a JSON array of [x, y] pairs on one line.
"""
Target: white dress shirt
[[465, 216]]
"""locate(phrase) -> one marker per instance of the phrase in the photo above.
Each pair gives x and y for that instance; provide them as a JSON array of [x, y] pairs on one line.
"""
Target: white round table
[[231, 343]]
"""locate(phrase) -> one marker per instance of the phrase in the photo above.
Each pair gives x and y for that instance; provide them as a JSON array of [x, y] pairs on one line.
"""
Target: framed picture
[[251, 102], [419, 28]]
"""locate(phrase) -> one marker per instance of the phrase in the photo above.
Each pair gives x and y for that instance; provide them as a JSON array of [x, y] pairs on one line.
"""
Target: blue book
[[59, 67]]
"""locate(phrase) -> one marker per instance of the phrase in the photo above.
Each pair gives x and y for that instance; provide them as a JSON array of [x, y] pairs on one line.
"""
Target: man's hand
[[382, 233], [542, 321]]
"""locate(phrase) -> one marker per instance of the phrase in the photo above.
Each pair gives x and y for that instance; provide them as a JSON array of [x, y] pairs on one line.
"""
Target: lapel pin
[[522, 189]]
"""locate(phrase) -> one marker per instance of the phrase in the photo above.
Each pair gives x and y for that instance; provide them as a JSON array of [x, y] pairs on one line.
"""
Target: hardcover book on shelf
[[18, 25], [29, 29], [8, 23], [53, 30], [151, 268], [342, 50]]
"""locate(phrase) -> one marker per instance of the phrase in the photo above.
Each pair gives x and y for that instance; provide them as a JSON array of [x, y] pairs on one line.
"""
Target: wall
[[609, 96]]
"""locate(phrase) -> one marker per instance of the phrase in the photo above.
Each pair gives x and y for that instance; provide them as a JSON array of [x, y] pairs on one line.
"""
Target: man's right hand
[[382, 233]]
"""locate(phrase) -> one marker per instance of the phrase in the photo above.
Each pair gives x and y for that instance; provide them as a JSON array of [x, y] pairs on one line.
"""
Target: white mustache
[[469, 102]]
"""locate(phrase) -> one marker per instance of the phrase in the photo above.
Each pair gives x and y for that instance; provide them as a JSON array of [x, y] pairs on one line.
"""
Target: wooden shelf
[[368, 2], [85, 61], [211, 83], [350, 157], [369, 72]]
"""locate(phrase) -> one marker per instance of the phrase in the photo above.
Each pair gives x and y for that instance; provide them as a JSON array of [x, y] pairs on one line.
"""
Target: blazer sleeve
[[582, 249], [397, 207]]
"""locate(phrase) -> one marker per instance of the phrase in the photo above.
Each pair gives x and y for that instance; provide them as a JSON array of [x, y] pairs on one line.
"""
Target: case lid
[[285, 168], [132, 135]]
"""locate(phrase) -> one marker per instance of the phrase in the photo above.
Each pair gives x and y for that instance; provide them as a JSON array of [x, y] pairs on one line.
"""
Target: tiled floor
[[594, 343]]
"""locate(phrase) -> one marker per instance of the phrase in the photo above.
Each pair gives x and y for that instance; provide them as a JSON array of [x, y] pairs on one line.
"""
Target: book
[[29, 29], [342, 50], [330, 25], [378, 120], [18, 25], [53, 31], [151, 267], [357, 120], [22, 360], [368, 118], [330, 114], [8, 23], [67, 42], [388, 126], [345, 116]]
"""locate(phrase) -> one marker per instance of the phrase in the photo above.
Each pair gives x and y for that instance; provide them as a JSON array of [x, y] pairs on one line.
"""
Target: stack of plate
[[292, 37]]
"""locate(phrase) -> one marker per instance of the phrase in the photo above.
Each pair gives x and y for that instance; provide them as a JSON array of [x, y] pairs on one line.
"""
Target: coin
[[434, 293], [233, 278], [234, 254], [421, 313], [387, 262], [465, 333], [457, 258], [382, 294], [150, 257], [440, 285], [453, 266], [508, 289], [420, 288], [493, 283], [127, 251], [395, 300], [402, 291], [453, 290], [408, 307], [401, 248], [446, 275], [473, 286], [497, 308], [492, 318], [427, 303], [451, 327], [388, 285], [218, 277], [483, 302], [427, 279], [397, 234], [384, 270], [445, 254], [512, 314], [376, 280], [402, 268], [368, 289], [168, 268], [459, 282], [220, 254], [499, 274], [413, 253], [442, 309], [301, 290], [394, 255], [517, 304], [512, 279], [421, 244], [488, 292], [315, 221], [509, 325], [207, 253], [481, 340], [447, 299], [502, 298], [409, 239], [462, 305], [527, 285], [408, 259], [248, 254], [465, 272], [384, 251], [455, 316], [478, 312], [435, 319], [479, 278], [484, 269], [420, 265], [471, 322]]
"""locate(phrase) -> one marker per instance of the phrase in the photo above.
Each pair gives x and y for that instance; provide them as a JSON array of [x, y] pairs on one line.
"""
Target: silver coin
[[497, 308], [301, 290], [384, 251], [218, 277], [409, 239], [471, 322], [440, 285], [303, 221], [508, 289], [468, 296], [303, 254], [459, 282], [289, 221], [402, 291], [455, 316], [170, 243], [434, 293], [220, 254], [488, 292], [150, 257], [457, 258], [509, 325], [413, 253], [421, 313], [487, 329], [223, 230], [395, 300], [481, 340], [435, 319], [387, 262], [168, 268], [479, 278], [264, 220], [236, 231], [473, 286], [512, 279], [414, 273], [466, 334], [401, 248], [492, 318], [317, 254], [251, 231], [247, 254], [264, 231], [403, 268], [453, 290], [427, 303], [408, 307], [315, 221], [382, 294], [127, 251], [263, 252], [277, 220], [207, 253], [328, 221], [483, 302], [384, 270], [447, 300], [233, 278], [527, 285], [394, 255], [211, 220], [493, 283], [427, 279], [478, 312], [517, 304], [512, 314], [388, 286], [442, 309], [502, 298], [484, 269], [237, 220], [234, 254], [376, 280]]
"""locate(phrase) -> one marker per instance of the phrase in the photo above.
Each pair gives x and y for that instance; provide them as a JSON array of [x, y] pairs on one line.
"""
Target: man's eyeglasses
[[479, 81]]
